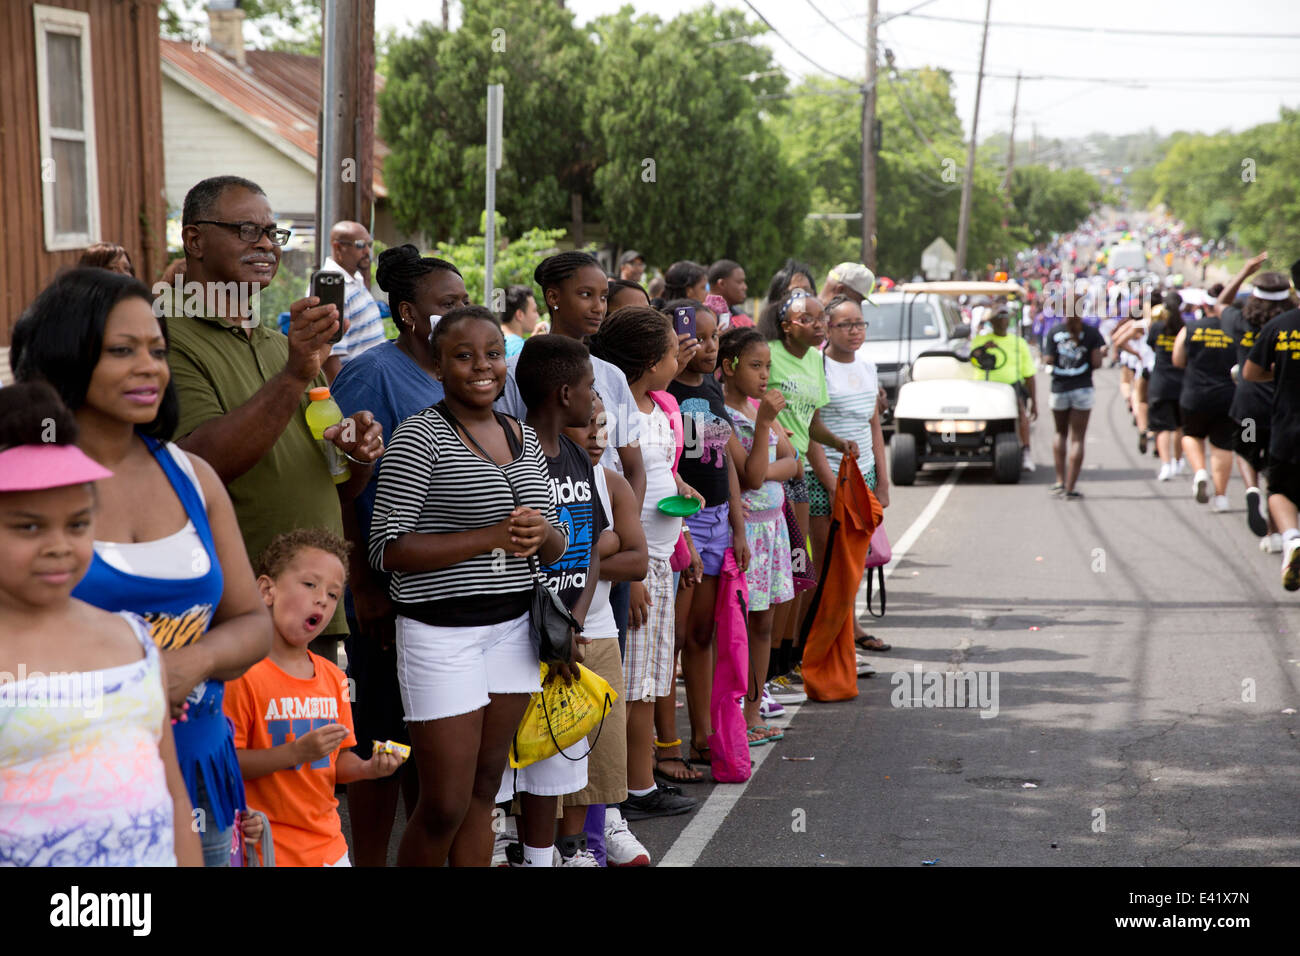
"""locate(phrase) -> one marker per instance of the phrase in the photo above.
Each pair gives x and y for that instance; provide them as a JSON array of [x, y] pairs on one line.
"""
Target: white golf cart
[[946, 414]]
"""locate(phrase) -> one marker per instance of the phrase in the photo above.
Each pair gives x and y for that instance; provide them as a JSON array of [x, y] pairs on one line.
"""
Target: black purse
[[550, 624]]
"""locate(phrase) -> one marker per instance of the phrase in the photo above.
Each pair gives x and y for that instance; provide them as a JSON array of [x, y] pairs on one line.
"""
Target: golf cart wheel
[[1006, 458], [902, 458]]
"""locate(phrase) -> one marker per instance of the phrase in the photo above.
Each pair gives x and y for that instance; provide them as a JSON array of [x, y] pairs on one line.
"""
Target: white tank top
[[177, 557], [600, 616]]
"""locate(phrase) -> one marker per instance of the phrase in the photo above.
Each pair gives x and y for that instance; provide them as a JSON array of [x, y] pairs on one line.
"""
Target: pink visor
[[37, 467]]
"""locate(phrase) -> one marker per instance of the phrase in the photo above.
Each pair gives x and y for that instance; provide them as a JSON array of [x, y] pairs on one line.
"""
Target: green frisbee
[[679, 506]]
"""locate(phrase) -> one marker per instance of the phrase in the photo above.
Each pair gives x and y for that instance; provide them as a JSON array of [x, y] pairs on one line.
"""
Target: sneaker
[[621, 847], [1027, 461], [768, 708], [1201, 486], [1166, 471], [1220, 503], [660, 802], [1182, 466], [796, 675], [864, 666], [781, 690], [1142, 443], [1271, 543], [1256, 515], [1291, 565], [577, 855], [502, 841]]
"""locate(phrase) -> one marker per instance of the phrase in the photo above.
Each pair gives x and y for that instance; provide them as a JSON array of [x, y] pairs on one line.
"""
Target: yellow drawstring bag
[[559, 716]]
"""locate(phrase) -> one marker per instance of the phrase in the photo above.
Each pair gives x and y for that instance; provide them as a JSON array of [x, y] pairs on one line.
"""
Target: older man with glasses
[[350, 246], [243, 385]]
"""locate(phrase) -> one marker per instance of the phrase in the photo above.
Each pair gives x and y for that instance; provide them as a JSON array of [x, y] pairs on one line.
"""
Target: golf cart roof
[[962, 288]]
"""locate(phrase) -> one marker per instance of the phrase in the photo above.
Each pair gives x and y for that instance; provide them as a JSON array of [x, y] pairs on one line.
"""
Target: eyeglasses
[[251, 231], [357, 243], [851, 326]]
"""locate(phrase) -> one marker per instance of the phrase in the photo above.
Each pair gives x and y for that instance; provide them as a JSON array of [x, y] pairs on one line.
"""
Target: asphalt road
[[1144, 652]]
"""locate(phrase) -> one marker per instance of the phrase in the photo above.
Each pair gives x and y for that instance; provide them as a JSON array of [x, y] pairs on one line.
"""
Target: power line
[[906, 13], [1090, 29], [796, 49], [835, 26]]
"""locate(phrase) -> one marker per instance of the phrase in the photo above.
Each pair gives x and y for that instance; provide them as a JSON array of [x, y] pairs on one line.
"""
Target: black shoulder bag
[[550, 623]]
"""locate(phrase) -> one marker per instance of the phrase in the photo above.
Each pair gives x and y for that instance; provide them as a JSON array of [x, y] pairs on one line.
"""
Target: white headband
[[1271, 296]]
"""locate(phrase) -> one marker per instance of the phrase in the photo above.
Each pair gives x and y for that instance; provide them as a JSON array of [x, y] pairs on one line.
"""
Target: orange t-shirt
[[269, 707]]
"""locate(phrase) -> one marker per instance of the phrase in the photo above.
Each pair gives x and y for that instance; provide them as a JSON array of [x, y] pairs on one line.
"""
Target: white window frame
[[71, 23]]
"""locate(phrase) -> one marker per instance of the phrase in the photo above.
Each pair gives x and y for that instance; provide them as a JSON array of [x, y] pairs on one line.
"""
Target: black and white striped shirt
[[431, 482]]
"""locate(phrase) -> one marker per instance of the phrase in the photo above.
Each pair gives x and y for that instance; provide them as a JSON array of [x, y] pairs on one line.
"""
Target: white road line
[[697, 835], [690, 843]]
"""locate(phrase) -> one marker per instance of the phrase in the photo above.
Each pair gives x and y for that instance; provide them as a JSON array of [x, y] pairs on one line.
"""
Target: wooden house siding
[[125, 71]]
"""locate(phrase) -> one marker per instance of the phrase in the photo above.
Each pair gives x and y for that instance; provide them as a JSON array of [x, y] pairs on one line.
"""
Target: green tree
[[686, 168], [1048, 201], [433, 113], [918, 173], [513, 263]]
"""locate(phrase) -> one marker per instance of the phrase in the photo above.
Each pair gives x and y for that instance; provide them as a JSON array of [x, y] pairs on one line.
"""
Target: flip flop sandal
[[668, 778], [762, 737], [778, 735], [865, 642]]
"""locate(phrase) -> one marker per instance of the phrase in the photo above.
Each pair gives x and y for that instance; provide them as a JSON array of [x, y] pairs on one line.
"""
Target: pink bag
[[879, 556], [880, 553], [729, 743]]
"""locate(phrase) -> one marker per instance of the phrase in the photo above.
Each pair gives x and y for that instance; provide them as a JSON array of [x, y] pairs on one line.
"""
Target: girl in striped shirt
[[446, 525]]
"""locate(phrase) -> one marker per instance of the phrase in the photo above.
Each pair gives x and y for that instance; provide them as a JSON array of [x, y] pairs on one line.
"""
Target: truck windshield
[[887, 321]]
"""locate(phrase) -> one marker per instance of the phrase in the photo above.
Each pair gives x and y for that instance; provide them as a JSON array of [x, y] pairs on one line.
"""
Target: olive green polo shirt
[[216, 368]]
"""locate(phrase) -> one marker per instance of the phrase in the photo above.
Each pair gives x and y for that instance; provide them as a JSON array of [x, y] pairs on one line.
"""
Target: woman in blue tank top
[[167, 544]]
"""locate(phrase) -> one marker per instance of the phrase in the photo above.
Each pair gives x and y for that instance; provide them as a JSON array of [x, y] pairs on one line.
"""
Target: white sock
[[539, 856], [640, 793], [1289, 535]]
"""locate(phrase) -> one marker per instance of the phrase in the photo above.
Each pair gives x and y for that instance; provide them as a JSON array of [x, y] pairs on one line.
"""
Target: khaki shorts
[[607, 762]]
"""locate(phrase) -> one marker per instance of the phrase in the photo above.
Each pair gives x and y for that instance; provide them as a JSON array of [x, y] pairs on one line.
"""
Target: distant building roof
[[277, 96]]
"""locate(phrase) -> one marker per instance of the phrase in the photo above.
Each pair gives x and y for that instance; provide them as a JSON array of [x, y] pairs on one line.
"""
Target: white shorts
[[448, 671], [343, 861], [557, 776]]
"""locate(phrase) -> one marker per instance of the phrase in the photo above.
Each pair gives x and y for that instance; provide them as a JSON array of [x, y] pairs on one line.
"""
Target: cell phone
[[684, 320], [327, 285]]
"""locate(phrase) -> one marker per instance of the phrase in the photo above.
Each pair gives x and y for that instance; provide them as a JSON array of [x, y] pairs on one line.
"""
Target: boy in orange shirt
[[291, 711]]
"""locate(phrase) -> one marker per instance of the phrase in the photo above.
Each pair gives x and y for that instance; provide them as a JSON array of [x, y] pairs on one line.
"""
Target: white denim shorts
[[448, 671], [557, 776]]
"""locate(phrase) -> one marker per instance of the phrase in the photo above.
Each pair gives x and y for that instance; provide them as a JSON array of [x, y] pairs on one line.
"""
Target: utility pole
[[345, 134], [963, 223], [495, 150], [869, 145], [1011, 146], [1033, 143]]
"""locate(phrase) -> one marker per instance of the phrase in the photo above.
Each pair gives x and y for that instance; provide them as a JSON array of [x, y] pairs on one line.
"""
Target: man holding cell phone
[[242, 385], [350, 246]]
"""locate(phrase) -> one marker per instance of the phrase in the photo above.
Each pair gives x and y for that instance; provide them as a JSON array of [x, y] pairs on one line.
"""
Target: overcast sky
[[1197, 83]]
